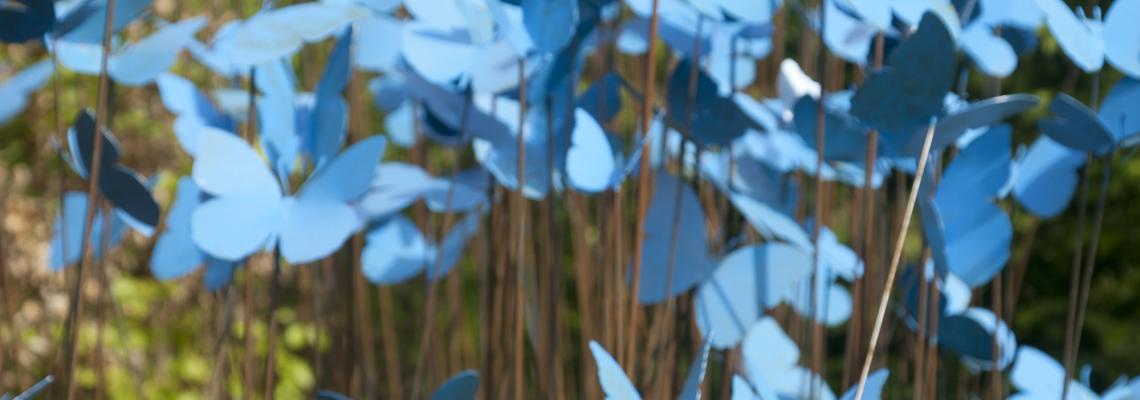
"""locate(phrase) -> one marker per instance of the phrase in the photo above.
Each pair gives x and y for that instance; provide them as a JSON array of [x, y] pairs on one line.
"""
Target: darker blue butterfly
[[710, 119], [1076, 126], [900, 97], [24, 20], [122, 186]]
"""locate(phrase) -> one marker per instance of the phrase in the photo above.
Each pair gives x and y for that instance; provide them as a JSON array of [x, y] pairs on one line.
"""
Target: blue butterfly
[[175, 253], [461, 386], [24, 20], [137, 64], [711, 119], [1038, 376], [318, 122], [274, 34], [122, 186], [966, 120], [847, 36], [398, 185], [84, 22], [770, 360], [396, 250], [1075, 126], [193, 109], [901, 96], [16, 90], [616, 385], [969, 332], [551, 23], [756, 278], [688, 255], [1089, 41], [252, 211], [378, 45], [1046, 177], [969, 234], [107, 231]]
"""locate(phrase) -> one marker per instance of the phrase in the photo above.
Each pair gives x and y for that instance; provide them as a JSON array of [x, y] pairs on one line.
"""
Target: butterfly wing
[[145, 60], [131, 197], [396, 186], [589, 160], [688, 255], [746, 282], [65, 245], [696, 375], [320, 219], [16, 89], [904, 95], [193, 109], [249, 207], [993, 55], [461, 386], [614, 382], [1047, 177], [330, 114], [175, 254], [453, 245], [551, 23], [24, 20], [1076, 126], [1122, 37], [1084, 47], [377, 43], [394, 252], [873, 389], [81, 144]]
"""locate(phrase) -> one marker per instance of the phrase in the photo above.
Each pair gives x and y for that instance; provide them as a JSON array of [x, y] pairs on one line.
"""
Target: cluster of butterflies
[[451, 72]]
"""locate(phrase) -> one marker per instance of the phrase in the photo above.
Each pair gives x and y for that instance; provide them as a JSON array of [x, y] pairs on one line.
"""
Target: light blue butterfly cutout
[[252, 210], [138, 63], [274, 34], [16, 90], [617, 386], [1038, 376], [756, 278], [175, 254], [1074, 125], [396, 250], [969, 234], [84, 21], [1046, 177], [398, 185], [193, 109], [66, 244]]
